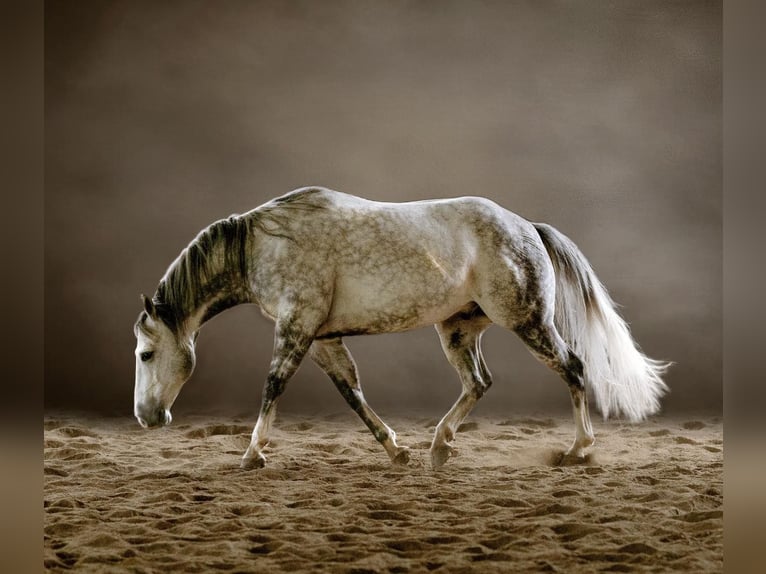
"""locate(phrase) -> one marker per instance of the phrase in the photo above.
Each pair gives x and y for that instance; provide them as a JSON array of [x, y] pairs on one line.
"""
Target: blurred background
[[602, 119]]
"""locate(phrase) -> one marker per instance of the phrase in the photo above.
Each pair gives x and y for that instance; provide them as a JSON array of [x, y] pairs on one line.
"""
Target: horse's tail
[[622, 379]]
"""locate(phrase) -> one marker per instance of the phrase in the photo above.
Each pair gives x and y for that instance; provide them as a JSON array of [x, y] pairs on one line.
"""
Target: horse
[[324, 265]]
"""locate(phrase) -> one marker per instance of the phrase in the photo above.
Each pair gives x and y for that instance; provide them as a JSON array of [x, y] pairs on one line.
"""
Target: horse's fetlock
[[381, 435]]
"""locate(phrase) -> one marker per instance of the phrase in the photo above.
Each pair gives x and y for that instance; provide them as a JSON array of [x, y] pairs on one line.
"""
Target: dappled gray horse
[[324, 265]]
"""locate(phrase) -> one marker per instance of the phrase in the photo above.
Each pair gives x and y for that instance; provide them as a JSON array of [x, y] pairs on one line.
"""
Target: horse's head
[[164, 362]]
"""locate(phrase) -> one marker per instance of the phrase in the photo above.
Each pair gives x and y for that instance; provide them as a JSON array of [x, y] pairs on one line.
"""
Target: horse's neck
[[220, 291], [220, 304], [214, 272], [223, 295]]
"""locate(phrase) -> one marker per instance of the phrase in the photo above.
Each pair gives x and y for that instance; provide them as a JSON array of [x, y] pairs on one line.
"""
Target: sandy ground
[[120, 498]]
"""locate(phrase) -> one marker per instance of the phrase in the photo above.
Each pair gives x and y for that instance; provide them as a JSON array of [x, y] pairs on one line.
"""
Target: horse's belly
[[395, 301]]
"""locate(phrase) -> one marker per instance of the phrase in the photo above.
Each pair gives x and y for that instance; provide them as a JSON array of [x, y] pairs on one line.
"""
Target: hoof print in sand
[[334, 495], [694, 425], [212, 430]]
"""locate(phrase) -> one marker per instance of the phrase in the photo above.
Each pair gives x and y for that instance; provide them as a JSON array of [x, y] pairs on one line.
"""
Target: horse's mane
[[217, 258]]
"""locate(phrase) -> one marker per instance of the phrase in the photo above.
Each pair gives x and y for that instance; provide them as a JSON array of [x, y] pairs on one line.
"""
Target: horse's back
[[448, 226]]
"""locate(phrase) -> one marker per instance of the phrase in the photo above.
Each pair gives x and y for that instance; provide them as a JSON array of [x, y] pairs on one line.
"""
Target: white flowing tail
[[622, 379]]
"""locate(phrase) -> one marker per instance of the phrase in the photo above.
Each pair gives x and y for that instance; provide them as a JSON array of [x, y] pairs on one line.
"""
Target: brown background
[[601, 119]]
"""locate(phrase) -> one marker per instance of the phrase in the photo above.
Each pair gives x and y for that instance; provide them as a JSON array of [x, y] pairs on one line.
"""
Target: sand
[[121, 498]]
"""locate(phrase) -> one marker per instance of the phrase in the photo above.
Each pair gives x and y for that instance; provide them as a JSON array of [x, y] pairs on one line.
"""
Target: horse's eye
[[146, 355]]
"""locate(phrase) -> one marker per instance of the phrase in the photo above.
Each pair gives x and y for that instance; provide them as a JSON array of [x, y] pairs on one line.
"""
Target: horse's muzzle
[[152, 416]]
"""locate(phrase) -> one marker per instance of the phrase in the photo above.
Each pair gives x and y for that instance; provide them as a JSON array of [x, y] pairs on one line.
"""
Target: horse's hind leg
[[460, 339], [547, 345], [334, 358]]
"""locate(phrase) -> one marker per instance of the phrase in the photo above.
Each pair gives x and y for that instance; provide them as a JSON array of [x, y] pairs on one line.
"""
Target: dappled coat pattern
[[324, 265]]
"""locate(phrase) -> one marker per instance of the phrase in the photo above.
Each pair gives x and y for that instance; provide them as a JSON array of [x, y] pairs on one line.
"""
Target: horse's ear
[[148, 305]]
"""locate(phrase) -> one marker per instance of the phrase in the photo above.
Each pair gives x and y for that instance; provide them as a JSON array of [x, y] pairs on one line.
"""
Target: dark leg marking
[[353, 398], [545, 342], [290, 346], [334, 358]]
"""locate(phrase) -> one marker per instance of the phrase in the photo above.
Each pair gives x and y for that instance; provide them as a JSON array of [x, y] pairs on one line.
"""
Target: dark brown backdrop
[[603, 119]]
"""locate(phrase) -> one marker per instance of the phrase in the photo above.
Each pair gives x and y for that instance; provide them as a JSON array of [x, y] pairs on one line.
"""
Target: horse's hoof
[[575, 453], [440, 455], [258, 461], [570, 459], [402, 457]]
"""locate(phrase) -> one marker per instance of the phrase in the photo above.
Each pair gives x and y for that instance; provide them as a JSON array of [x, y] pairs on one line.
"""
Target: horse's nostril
[[142, 422]]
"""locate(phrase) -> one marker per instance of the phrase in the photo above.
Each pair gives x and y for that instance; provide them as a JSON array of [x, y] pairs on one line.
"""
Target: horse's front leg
[[292, 341]]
